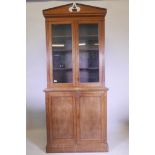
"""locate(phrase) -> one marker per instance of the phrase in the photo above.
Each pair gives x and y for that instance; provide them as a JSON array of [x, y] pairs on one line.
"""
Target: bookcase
[[76, 96]]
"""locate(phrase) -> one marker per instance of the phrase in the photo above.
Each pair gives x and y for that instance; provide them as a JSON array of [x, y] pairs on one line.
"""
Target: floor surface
[[117, 140]]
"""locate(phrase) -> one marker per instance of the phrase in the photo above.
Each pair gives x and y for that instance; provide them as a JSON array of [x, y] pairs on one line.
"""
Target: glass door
[[88, 53], [62, 53]]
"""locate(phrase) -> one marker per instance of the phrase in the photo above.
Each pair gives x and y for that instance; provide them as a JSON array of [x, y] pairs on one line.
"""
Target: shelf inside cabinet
[[94, 68], [62, 69], [62, 51], [63, 36], [89, 35], [88, 50]]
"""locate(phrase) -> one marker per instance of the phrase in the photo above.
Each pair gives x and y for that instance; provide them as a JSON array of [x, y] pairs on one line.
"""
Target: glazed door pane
[[62, 53], [88, 53]]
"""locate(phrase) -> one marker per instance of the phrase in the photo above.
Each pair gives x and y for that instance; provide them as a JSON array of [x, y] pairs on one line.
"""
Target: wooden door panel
[[62, 118], [90, 117]]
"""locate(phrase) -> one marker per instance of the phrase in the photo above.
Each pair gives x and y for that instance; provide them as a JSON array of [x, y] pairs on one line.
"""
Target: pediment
[[64, 11]]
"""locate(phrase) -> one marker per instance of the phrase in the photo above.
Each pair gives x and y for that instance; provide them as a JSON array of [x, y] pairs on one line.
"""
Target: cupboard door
[[91, 121], [61, 35], [88, 53], [62, 118]]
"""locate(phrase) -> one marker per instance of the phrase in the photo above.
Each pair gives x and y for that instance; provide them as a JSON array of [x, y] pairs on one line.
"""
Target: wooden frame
[[101, 52], [69, 106], [75, 54], [49, 53]]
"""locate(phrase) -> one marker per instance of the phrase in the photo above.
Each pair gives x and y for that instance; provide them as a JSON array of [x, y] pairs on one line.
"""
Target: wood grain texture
[[62, 117], [76, 113], [89, 117], [85, 10], [95, 147]]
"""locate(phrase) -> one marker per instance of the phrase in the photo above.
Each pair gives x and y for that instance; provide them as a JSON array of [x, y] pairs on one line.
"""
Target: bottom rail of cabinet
[[102, 147]]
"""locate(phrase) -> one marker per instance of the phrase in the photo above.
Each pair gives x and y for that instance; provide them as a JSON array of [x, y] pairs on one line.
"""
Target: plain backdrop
[[116, 62]]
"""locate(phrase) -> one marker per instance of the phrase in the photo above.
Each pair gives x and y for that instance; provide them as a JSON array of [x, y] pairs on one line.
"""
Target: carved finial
[[74, 8]]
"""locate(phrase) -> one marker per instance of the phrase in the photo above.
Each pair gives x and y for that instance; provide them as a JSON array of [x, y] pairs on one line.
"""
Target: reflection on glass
[[89, 53], [62, 53]]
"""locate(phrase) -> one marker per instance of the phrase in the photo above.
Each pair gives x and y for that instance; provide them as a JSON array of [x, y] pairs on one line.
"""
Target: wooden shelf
[[95, 68], [62, 69], [62, 37], [63, 51], [88, 50], [89, 35]]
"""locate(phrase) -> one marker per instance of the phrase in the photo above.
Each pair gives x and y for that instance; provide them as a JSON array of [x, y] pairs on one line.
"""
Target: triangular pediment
[[65, 10]]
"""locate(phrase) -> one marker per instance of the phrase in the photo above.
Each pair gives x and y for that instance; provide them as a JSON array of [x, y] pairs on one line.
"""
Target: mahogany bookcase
[[76, 96]]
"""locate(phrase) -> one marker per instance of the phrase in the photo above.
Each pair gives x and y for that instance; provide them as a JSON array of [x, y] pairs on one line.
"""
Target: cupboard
[[76, 106]]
